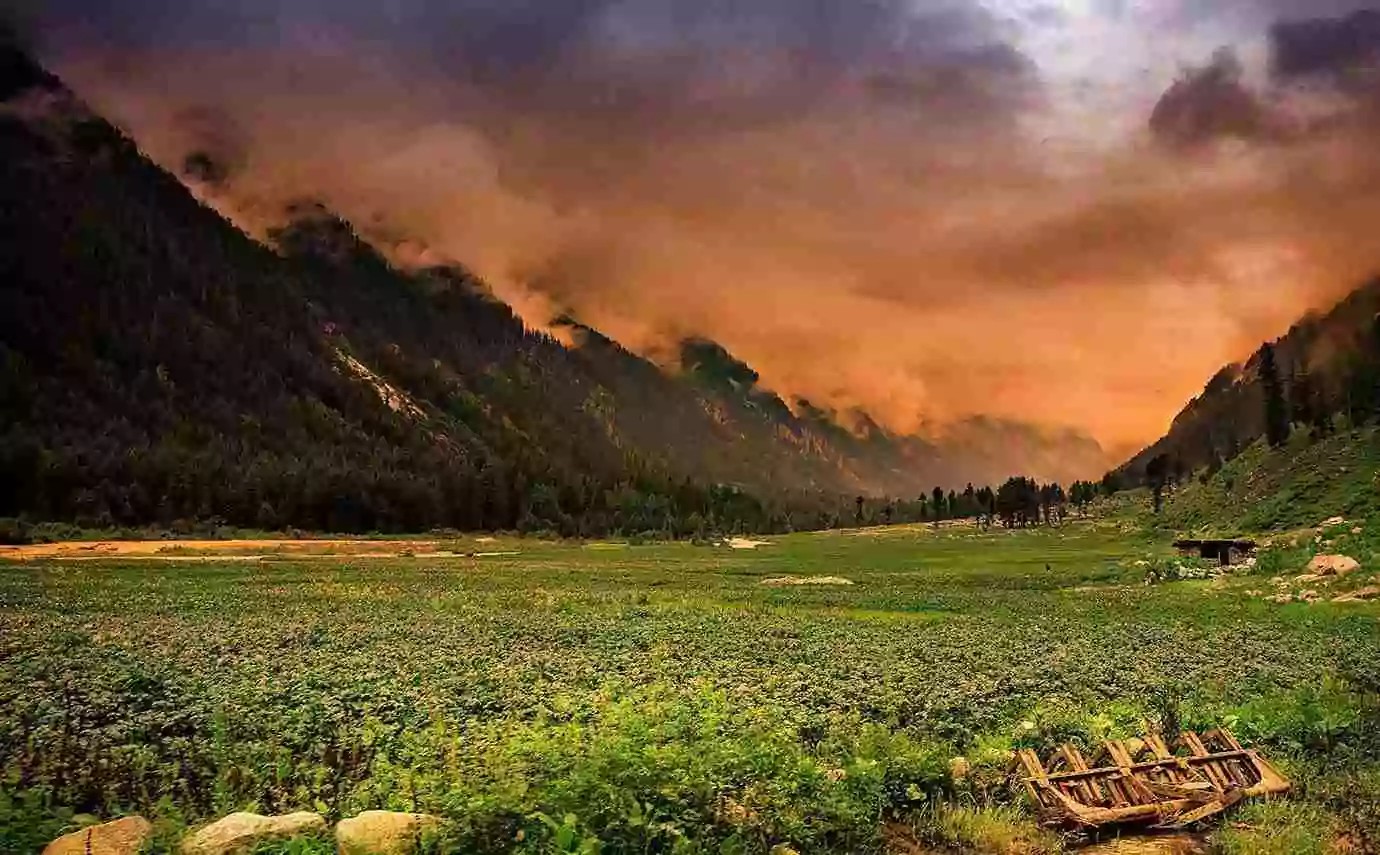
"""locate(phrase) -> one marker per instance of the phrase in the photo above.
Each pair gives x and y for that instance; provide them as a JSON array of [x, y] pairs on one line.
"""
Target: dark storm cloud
[[635, 69], [908, 207], [1259, 14], [1328, 47], [503, 41], [1214, 102], [1208, 104]]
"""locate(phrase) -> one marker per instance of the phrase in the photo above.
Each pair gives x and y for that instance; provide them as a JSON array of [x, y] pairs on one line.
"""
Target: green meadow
[[612, 697]]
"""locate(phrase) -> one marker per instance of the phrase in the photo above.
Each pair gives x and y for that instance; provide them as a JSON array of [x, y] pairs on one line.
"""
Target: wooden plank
[[1200, 760], [1237, 772], [1074, 757], [1161, 751], [1212, 808], [1207, 761], [1035, 776], [1132, 789], [1196, 793], [1173, 790], [1173, 763], [1033, 768], [1226, 737], [1271, 781], [1089, 789]]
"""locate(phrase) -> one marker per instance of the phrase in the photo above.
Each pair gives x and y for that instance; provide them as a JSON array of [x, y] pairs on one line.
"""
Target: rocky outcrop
[[1360, 595], [122, 837], [381, 832], [240, 832], [1333, 565]]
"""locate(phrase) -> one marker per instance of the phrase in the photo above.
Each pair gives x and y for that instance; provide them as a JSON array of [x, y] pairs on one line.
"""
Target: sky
[[1067, 213]]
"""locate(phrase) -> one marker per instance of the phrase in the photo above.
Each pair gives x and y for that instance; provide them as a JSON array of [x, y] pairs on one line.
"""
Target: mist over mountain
[[1321, 376], [929, 211], [162, 365]]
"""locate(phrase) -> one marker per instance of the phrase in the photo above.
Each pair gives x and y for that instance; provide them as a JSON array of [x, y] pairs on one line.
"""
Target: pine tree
[[1157, 473], [1301, 398], [1276, 411]]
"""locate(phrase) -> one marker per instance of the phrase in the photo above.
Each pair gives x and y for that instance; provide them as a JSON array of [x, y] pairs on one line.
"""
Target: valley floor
[[666, 697]]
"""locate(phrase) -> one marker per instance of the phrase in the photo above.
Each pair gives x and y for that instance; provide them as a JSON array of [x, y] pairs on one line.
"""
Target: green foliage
[[1281, 560], [1271, 489], [14, 531], [987, 830], [1313, 717], [321, 845], [28, 817], [660, 695], [1278, 828]]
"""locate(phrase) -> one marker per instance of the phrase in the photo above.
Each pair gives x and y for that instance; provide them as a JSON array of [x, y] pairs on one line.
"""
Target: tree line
[[1322, 377]]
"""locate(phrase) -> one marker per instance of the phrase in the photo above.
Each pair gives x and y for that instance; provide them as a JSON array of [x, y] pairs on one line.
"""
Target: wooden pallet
[[1147, 781]]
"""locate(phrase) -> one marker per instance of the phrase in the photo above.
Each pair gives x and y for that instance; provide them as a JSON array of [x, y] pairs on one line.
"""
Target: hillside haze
[[1324, 373], [160, 366]]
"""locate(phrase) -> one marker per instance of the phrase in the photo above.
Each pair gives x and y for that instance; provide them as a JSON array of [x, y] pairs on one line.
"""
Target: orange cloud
[[870, 222]]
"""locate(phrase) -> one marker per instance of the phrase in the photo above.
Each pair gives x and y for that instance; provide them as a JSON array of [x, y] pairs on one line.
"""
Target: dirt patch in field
[[227, 550], [1162, 844], [744, 543], [788, 581]]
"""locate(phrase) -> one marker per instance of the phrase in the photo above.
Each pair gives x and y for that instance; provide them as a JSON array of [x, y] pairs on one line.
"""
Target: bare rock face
[[239, 832], [1361, 595], [121, 837], [381, 832], [1333, 565]]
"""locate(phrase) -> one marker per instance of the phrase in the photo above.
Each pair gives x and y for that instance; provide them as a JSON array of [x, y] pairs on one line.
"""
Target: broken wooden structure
[[1147, 781], [1228, 552]]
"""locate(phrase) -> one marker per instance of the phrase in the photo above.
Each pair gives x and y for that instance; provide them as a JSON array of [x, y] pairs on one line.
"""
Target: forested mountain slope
[[1296, 485], [158, 365], [1324, 373]]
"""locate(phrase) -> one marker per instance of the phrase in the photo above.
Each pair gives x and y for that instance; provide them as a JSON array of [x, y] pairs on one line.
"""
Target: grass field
[[662, 697]]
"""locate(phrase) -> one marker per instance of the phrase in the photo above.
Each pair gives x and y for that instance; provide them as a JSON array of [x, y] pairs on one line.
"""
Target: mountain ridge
[[162, 365], [1327, 373]]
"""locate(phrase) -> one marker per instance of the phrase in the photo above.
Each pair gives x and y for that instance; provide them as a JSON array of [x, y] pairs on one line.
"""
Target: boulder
[[122, 837], [240, 832], [382, 832], [1333, 565], [1369, 593], [1310, 596]]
